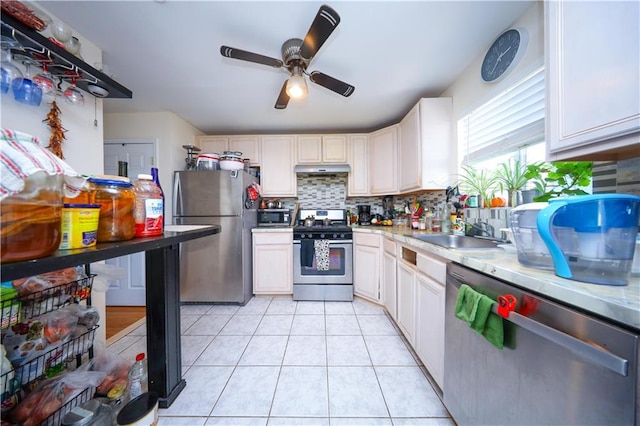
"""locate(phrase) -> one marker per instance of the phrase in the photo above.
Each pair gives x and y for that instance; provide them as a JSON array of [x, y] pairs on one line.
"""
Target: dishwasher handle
[[587, 351]]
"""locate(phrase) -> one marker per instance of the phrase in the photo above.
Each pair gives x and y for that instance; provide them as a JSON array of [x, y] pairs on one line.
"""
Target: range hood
[[322, 169]]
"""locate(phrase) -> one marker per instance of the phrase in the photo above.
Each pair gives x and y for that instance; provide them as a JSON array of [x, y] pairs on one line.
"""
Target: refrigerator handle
[[177, 195]]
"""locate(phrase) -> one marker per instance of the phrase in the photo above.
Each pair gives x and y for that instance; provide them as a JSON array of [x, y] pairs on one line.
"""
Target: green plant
[[559, 178], [481, 182], [511, 176]]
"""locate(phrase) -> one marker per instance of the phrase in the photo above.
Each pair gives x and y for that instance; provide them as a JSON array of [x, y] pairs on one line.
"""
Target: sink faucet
[[481, 227]]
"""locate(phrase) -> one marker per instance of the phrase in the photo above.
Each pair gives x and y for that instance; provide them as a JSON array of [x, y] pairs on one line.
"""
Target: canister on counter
[[116, 199]]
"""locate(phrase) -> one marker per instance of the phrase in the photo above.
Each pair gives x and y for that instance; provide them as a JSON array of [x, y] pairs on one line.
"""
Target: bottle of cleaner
[[138, 377], [149, 207]]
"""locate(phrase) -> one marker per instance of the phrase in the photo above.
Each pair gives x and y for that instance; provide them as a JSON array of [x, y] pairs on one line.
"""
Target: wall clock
[[504, 54]]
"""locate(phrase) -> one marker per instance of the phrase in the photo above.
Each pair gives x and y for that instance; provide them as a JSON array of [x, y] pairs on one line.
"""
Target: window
[[511, 125]]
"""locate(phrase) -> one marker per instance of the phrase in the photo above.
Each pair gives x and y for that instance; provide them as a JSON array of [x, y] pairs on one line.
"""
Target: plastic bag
[[105, 274], [115, 367], [58, 325], [87, 315], [43, 282], [50, 395]]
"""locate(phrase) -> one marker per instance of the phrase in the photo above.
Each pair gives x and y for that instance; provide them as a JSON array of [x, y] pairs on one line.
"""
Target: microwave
[[274, 217]]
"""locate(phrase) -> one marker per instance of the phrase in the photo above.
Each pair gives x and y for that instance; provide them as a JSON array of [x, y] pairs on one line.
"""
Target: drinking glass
[[45, 82], [25, 90], [73, 95], [10, 72]]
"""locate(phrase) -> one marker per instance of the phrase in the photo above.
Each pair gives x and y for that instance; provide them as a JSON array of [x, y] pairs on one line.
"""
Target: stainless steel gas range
[[323, 257]]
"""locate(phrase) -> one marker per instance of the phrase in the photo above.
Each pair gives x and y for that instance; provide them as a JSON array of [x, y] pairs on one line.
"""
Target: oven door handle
[[331, 242]]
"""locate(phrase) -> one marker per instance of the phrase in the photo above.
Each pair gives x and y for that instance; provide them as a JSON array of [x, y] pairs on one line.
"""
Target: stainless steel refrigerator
[[215, 269]]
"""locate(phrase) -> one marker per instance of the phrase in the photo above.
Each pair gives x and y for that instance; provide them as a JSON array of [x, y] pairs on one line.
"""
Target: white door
[[140, 156]]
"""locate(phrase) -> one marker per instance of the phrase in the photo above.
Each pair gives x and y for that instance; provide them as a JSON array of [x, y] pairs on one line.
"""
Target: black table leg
[[162, 268]]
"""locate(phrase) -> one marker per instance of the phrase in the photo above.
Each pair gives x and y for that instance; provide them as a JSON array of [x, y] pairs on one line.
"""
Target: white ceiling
[[393, 52]]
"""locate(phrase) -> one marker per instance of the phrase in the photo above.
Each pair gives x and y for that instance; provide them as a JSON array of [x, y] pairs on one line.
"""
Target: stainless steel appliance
[[216, 269], [558, 367], [334, 281], [274, 217]]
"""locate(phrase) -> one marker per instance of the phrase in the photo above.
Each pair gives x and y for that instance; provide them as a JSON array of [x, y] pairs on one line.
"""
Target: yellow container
[[79, 226]]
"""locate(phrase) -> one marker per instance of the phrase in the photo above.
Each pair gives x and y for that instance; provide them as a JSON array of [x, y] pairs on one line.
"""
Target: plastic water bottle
[[138, 377]]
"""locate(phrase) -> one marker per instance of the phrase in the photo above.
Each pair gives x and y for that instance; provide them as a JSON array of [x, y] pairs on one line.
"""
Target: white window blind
[[511, 120]]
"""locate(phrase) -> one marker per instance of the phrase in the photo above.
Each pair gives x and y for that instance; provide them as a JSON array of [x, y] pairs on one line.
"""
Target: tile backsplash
[[330, 192]]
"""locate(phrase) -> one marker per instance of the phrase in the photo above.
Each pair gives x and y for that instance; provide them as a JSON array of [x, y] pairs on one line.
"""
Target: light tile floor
[[275, 361]]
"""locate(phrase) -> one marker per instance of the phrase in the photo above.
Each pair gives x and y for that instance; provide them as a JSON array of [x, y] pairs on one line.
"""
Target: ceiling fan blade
[[324, 23], [243, 55], [340, 87], [283, 98]]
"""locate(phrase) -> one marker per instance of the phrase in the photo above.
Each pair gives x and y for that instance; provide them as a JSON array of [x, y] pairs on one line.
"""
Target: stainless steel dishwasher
[[558, 367]]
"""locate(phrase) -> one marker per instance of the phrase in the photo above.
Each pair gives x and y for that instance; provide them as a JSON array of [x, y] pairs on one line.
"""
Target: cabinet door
[[366, 270], [438, 159], [410, 152], [217, 144], [334, 149], [309, 149], [430, 326], [277, 177], [592, 69], [272, 263], [358, 148], [383, 151], [389, 292], [406, 300], [248, 145]]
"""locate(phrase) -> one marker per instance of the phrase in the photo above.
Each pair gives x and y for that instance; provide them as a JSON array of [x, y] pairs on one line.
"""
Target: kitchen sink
[[458, 242]]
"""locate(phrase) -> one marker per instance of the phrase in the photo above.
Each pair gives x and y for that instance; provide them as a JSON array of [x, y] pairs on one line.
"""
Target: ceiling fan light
[[296, 87]]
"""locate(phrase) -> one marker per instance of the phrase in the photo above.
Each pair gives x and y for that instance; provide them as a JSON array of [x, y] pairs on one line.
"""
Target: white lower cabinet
[[430, 301], [389, 292], [272, 263], [406, 300], [430, 326], [366, 266]]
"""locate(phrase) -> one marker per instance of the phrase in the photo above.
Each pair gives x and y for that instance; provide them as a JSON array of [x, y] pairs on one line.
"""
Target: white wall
[[83, 145], [171, 132], [469, 90]]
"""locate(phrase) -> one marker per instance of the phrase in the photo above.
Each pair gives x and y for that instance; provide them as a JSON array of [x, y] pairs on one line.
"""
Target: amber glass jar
[[30, 220], [116, 199]]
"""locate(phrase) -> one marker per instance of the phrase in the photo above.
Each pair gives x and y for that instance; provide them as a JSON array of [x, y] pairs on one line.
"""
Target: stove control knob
[[335, 236], [342, 236], [309, 235], [322, 236]]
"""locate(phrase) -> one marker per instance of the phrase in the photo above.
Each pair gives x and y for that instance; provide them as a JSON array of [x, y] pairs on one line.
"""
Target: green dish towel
[[475, 309]]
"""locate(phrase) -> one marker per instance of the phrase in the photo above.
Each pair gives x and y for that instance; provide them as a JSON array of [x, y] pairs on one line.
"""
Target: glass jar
[[116, 199], [30, 221]]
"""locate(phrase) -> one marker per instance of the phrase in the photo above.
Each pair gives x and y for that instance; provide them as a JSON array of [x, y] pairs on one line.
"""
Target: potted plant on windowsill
[[481, 182], [511, 177], [561, 178]]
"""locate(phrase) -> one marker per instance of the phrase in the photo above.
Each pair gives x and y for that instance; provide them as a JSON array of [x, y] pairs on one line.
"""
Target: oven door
[[340, 265]]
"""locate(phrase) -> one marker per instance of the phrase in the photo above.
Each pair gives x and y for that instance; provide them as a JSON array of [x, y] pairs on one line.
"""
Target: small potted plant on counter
[[511, 177], [481, 182], [560, 178]]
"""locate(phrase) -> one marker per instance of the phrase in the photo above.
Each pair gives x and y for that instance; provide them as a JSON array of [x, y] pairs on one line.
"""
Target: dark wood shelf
[[102, 251], [38, 45]]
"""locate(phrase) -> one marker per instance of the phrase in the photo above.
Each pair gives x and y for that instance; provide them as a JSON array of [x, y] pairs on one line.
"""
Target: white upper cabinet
[[383, 161], [358, 159], [277, 176], [247, 144], [319, 149], [426, 152], [593, 84]]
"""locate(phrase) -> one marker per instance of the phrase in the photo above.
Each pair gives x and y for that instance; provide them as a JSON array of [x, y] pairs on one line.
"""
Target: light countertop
[[620, 304]]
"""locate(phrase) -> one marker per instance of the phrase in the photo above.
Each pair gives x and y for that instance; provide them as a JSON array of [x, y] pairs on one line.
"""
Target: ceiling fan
[[296, 56]]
